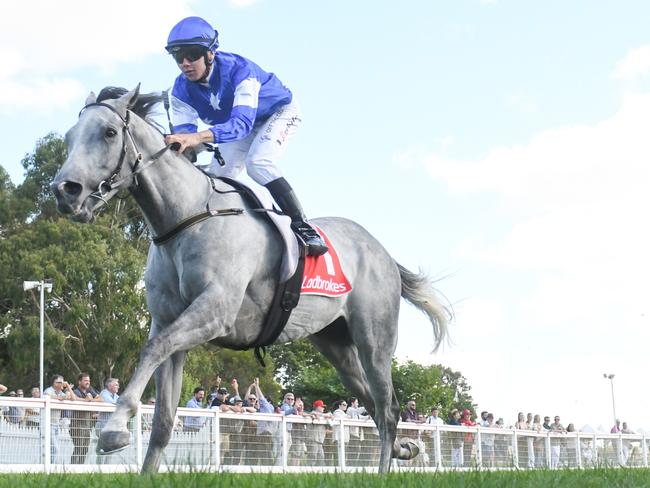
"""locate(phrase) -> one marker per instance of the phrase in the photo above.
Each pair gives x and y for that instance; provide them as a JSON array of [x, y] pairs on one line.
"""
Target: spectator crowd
[[315, 441]]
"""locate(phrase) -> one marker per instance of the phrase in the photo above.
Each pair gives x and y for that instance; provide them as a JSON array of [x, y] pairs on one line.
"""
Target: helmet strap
[[208, 68]]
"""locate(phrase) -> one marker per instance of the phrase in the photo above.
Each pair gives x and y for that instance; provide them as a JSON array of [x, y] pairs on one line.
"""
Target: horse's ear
[[92, 98], [132, 97]]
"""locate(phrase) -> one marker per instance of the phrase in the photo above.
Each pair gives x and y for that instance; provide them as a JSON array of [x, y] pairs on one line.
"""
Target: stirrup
[[315, 244]]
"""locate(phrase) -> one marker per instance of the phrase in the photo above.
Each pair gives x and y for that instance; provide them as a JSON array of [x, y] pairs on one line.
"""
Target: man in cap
[[221, 400], [316, 436]]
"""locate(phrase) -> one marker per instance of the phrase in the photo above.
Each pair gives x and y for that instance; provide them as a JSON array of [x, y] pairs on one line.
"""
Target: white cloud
[[572, 237], [61, 37], [635, 64], [577, 196], [570, 165], [40, 95]]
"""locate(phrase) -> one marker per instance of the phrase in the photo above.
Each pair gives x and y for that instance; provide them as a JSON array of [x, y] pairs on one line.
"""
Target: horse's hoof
[[409, 449], [113, 441]]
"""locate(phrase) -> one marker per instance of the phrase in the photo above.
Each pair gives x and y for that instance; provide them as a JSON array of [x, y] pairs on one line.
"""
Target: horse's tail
[[418, 290]]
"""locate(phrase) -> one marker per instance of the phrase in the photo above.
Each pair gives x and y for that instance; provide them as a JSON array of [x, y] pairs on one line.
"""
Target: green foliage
[[96, 317], [431, 385], [40, 168], [205, 364], [7, 201], [303, 370]]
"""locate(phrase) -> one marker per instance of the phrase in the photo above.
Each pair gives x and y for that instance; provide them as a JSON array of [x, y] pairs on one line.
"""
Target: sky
[[501, 146]]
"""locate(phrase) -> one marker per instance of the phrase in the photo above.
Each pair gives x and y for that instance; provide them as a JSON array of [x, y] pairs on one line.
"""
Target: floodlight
[[28, 285]]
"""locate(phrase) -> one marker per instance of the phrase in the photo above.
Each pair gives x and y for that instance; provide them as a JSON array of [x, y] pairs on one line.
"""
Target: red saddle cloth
[[323, 274]]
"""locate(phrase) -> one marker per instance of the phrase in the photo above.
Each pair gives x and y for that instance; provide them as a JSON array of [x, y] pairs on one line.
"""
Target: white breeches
[[260, 150]]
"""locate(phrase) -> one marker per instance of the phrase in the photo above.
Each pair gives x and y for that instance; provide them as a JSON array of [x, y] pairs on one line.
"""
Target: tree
[[40, 168], [207, 362], [96, 316], [303, 370], [431, 385]]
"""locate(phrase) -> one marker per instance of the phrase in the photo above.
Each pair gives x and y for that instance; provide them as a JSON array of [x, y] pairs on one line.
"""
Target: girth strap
[[287, 296]]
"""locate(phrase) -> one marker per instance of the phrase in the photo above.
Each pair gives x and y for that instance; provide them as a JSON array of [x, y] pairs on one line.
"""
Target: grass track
[[596, 478]]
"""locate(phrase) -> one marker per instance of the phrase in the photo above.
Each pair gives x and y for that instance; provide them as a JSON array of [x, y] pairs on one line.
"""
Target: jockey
[[250, 112]]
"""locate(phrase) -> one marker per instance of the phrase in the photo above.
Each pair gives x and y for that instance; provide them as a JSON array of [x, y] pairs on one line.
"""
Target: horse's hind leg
[[169, 379], [374, 333], [372, 385], [335, 344]]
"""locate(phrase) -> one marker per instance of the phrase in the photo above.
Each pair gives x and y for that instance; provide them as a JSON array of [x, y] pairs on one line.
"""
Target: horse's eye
[[110, 132]]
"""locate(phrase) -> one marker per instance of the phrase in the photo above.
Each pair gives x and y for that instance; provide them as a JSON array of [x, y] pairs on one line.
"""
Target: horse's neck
[[171, 189]]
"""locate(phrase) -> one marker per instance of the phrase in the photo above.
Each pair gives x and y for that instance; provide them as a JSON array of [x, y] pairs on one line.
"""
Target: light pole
[[610, 377], [42, 286]]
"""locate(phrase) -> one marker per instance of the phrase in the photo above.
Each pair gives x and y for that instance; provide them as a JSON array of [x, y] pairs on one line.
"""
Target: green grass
[[596, 478]]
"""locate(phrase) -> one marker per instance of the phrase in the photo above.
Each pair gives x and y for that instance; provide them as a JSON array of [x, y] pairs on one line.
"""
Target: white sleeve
[[182, 113], [247, 93]]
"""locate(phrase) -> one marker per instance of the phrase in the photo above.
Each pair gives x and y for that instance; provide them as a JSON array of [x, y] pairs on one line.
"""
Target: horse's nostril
[[70, 188]]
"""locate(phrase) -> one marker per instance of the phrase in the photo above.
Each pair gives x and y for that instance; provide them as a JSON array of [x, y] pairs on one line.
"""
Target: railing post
[[547, 446], [138, 436], [285, 443], [479, 448], [217, 441], [515, 448], [46, 427], [438, 444], [341, 444], [594, 453], [578, 452], [619, 449]]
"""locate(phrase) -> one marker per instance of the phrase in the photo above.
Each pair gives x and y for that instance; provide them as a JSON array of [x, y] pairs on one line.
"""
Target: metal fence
[[44, 435]]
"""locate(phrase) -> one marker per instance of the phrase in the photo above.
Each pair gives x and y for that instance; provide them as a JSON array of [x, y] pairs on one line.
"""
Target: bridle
[[114, 181]]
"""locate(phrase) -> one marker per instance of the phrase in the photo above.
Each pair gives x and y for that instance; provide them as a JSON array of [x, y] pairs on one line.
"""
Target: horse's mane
[[144, 104]]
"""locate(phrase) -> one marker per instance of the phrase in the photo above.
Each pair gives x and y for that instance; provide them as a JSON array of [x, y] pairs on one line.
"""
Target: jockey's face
[[195, 70]]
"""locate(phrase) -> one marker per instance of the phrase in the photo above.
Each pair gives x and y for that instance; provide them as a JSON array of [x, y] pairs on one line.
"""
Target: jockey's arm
[[191, 139]]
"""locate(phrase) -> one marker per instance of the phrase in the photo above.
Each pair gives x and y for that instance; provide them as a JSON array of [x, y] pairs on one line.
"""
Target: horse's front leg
[[196, 325], [169, 380]]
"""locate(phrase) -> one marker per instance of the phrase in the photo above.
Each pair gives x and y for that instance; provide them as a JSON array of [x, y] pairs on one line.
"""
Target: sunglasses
[[191, 53]]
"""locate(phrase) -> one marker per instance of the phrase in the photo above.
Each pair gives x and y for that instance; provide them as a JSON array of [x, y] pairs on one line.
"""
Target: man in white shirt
[[433, 419]]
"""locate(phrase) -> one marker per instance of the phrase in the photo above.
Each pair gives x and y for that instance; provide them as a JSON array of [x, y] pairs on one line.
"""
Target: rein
[[113, 181], [208, 147]]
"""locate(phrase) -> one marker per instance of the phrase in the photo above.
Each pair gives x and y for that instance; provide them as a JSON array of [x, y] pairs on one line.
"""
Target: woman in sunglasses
[[250, 114]]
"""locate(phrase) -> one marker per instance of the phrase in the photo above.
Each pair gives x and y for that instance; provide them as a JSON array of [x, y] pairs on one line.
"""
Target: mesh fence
[[65, 434]]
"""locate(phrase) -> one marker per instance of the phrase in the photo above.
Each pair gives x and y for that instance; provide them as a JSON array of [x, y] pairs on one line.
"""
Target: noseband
[[113, 181]]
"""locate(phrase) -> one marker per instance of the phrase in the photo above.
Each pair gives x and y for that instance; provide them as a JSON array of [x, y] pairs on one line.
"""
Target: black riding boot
[[286, 199]]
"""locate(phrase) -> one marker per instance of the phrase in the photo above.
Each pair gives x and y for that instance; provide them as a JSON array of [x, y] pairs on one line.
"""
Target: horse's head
[[101, 151]]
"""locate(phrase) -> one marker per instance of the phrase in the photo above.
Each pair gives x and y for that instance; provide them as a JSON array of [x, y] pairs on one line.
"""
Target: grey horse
[[214, 281]]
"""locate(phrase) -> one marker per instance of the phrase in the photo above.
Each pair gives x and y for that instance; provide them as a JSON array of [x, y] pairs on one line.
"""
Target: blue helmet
[[192, 31]]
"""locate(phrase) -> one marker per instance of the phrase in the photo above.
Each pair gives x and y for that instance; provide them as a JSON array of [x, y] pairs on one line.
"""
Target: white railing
[[210, 440]]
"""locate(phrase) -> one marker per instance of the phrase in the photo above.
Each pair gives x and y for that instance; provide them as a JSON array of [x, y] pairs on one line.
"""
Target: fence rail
[[44, 435]]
